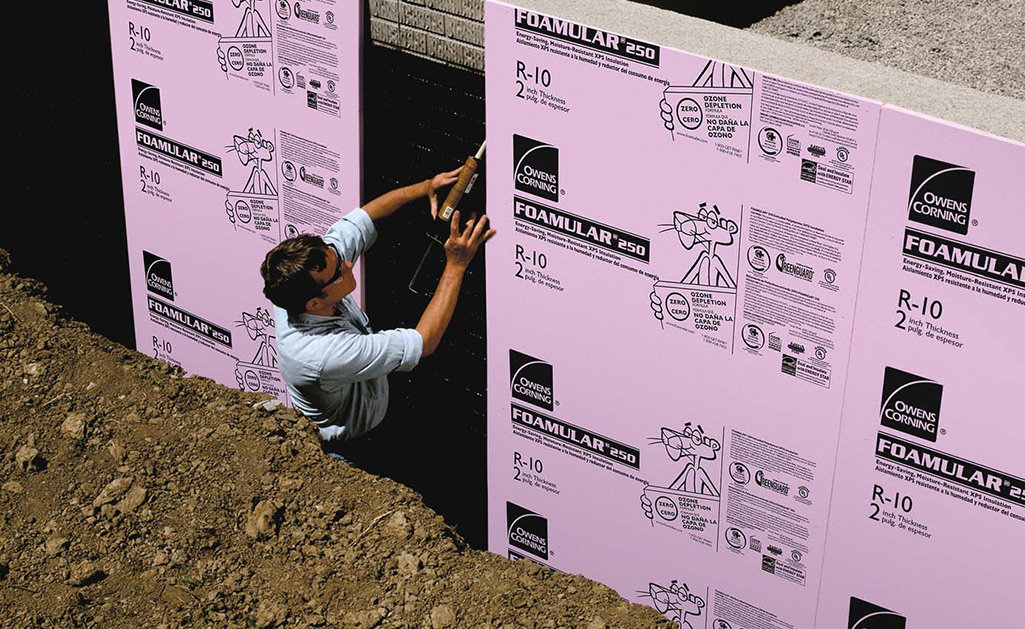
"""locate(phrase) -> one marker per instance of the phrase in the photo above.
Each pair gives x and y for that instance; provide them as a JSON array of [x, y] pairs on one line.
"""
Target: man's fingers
[[444, 179], [479, 227], [469, 226], [453, 225], [434, 205]]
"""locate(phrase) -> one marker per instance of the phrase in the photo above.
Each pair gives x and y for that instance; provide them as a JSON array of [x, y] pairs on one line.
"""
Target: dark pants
[[367, 452], [396, 448], [414, 446]]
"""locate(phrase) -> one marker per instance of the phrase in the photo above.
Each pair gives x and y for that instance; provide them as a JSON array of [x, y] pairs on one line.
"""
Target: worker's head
[[304, 274]]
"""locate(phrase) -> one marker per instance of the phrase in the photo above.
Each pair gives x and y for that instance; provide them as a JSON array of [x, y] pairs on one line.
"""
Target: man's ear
[[312, 304]]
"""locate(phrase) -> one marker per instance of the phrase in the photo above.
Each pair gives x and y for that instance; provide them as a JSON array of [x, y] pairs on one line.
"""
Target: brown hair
[[286, 272]]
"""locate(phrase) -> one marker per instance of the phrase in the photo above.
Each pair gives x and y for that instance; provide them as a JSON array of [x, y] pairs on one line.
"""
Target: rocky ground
[[132, 496], [976, 43]]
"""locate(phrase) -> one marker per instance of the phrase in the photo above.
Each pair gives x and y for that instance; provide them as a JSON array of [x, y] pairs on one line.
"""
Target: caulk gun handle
[[456, 193]]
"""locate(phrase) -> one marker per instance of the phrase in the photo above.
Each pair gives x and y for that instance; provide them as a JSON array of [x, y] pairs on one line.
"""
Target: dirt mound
[[132, 496]]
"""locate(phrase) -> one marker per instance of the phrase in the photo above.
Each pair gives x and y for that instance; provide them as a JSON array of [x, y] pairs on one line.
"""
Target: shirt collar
[[315, 320], [307, 318]]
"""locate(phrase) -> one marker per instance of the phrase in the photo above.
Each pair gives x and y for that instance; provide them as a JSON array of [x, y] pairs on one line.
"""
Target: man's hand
[[440, 181], [459, 251], [461, 247], [386, 204]]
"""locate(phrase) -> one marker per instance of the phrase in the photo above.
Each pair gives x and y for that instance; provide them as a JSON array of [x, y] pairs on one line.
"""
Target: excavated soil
[[134, 496]]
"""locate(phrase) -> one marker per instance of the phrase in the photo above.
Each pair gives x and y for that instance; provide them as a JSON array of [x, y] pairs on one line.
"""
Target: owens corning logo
[[865, 615], [531, 380], [911, 404], [147, 105], [536, 168], [528, 531], [941, 194], [158, 275]]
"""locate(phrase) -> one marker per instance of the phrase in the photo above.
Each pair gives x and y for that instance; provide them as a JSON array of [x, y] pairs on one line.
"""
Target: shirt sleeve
[[356, 357], [352, 234]]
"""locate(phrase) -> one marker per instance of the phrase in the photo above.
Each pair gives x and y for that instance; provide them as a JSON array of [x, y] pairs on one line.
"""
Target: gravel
[[967, 42]]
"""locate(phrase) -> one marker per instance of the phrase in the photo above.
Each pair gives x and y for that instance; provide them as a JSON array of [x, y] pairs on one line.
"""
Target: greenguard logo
[[306, 14], [865, 615]]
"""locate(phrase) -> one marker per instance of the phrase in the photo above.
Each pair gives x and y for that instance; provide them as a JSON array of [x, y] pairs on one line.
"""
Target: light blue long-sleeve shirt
[[336, 367]]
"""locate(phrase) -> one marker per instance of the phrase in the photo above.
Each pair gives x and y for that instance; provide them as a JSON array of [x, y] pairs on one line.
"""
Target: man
[[335, 366]]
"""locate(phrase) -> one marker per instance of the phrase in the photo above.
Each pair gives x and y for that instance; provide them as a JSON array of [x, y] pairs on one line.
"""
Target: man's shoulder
[[355, 221], [307, 342], [297, 332], [352, 234]]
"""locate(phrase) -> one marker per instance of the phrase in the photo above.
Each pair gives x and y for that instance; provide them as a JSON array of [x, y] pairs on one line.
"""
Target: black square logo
[[531, 380], [941, 194], [158, 275], [865, 615], [911, 404], [789, 366], [536, 167], [809, 170], [147, 105], [528, 531]]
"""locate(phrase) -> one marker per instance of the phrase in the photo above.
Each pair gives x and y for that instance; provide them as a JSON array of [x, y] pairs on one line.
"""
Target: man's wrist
[[455, 268]]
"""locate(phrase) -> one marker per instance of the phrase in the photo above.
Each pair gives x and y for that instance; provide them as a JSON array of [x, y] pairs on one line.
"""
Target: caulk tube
[[467, 175]]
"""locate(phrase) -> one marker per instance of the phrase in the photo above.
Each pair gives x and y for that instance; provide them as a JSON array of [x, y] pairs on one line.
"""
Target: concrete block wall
[[449, 31]]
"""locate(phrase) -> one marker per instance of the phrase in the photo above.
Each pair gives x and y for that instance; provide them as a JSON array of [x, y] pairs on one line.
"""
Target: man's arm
[[354, 357], [459, 251], [386, 204]]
